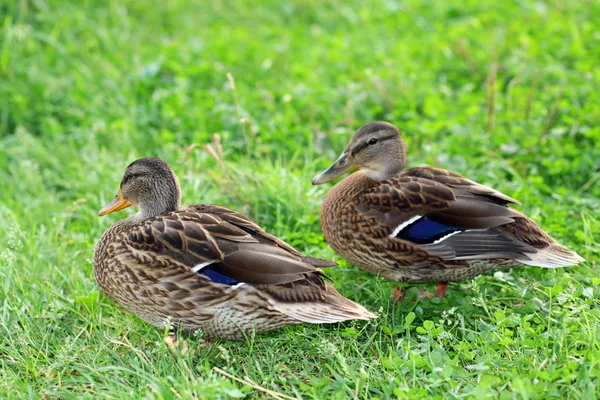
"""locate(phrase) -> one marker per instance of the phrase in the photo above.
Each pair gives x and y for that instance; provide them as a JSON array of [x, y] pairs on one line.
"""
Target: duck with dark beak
[[345, 163], [424, 224]]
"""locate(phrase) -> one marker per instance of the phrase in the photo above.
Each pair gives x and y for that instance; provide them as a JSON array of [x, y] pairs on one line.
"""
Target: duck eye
[[128, 177], [372, 141], [342, 162]]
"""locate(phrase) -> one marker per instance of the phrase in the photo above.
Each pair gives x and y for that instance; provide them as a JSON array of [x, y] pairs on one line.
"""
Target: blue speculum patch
[[217, 277], [424, 231]]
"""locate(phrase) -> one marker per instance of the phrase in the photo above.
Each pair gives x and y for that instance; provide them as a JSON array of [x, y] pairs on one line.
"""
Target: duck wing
[[245, 223], [443, 213], [228, 248], [223, 246]]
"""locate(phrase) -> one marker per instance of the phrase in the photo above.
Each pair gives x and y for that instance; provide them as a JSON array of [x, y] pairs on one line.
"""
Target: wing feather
[[230, 243], [474, 210]]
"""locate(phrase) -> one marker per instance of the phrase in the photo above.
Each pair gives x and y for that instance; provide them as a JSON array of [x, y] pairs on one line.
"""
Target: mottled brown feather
[[152, 267], [359, 215]]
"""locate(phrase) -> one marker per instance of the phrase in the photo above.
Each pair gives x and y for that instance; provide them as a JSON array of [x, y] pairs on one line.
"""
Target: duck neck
[[153, 210], [343, 193]]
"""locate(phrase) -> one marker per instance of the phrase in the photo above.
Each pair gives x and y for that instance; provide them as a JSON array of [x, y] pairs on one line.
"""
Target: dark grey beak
[[342, 165]]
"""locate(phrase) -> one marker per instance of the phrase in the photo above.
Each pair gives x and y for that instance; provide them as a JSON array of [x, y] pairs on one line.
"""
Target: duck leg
[[171, 339], [399, 295], [441, 290]]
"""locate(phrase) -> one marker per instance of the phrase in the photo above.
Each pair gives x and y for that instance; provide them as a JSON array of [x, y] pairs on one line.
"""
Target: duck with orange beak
[[205, 267]]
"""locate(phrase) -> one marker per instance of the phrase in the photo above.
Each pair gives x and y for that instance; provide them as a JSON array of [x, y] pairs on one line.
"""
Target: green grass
[[506, 94]]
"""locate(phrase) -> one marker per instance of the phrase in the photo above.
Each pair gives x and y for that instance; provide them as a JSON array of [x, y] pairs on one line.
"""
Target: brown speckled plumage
[[152, 265], [365, 217]]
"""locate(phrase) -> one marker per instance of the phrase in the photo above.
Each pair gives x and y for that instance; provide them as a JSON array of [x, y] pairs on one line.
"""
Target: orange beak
[[117, 204]]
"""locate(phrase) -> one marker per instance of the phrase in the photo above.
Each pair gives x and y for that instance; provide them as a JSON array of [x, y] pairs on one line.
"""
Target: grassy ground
[[507, 94]]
